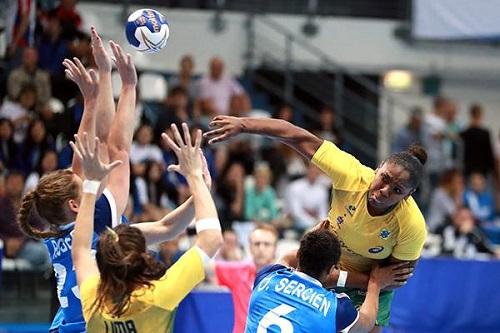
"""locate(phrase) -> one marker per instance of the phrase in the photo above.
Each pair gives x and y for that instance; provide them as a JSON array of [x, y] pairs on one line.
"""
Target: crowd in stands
[[460, 195], [255, 179]]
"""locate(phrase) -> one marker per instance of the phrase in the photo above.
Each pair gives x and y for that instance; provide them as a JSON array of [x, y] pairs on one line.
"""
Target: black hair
[[319, 250], [412, 160]]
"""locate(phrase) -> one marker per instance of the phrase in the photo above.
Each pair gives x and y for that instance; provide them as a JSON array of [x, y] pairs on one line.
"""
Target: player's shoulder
[[267, 270], [410, 218]]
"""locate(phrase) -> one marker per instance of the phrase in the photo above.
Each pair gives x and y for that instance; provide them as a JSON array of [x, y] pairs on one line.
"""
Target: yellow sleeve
[[412, 235], [346, 172], [88, 293], [179, 280]]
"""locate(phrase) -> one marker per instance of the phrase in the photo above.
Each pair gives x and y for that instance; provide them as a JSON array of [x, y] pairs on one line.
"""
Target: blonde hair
[[48, 200]]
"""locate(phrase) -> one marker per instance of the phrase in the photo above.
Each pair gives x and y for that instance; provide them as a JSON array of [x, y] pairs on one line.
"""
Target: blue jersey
[[287, 301], [69, 318]]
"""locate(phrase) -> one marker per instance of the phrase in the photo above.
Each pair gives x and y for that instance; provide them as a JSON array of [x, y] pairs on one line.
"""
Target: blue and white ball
[[147, 30]]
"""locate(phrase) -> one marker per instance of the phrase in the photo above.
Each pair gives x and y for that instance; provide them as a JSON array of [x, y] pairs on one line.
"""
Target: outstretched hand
[[101, 55], [223, 128], [86, 80], [93, 168], [124, 64], [188, 154]]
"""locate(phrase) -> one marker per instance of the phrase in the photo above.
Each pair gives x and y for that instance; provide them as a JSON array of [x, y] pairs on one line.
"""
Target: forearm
[[122, 127], [296, 137], [170, 226], [84, 226], [105, 105], [369, 309], [87, 124]]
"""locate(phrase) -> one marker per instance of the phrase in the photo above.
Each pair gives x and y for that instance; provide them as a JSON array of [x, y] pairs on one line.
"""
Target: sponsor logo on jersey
[[376, 249], [351, 209]]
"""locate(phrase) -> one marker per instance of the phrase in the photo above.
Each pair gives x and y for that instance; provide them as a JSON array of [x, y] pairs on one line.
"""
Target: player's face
[[262, 247], [391, 185]]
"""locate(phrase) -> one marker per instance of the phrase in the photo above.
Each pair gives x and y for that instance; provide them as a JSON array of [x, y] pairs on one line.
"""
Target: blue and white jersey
[[69, 318], [287, 301]]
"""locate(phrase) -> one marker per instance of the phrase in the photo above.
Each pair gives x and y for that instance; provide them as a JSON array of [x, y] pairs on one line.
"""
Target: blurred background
[[371, 76]]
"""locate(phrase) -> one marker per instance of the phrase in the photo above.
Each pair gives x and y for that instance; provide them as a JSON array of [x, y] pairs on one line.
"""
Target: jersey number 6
[[275, 317]]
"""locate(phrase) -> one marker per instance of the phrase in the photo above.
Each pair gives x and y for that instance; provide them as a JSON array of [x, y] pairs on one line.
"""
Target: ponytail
[[28, 206]]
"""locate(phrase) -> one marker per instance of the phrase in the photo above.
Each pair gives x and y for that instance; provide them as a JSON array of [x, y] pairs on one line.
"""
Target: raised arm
[[122, 128], [105, 102], [94, 172], [88, 83], [175, 222], [225, 127], [207, 224]]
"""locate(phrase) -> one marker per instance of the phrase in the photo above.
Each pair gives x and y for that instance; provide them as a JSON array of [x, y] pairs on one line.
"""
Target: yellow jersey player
[[372, 211], [124, 289]]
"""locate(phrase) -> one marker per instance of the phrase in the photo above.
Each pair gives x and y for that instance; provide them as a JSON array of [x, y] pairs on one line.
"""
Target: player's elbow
[[210, 241]]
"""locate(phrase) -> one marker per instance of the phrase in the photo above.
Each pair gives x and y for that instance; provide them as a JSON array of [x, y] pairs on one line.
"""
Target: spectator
[[478, 199], [9, 150], [29, 73], [445, 199], [143, 148], [230, 193], [152, 193], [175, 112], [478, 149], [16, 244], [260, 198], [48, 162], [231, 248], [36, 143], [411, 133], [20, 27], [239, 276], [217, 89], [71, 21], [53, 48], [185, 77], [240, 105], [328, 129], [20, 112], [461, 238], [307, 200], [433, 139]]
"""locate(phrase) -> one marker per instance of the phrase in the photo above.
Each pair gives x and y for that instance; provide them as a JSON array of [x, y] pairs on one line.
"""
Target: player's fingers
[[214, 132], [197, 140], [171, 143], [173, 168], [94, 76], [177, 135], [79, 65], [218, 139], [187, 135], [113, 165], [78, 143], [75, 150]]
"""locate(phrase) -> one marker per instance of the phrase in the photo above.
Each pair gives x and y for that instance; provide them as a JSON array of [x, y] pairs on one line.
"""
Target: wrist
[[342, 278], [91, 186], [195, 176], [128, 86]]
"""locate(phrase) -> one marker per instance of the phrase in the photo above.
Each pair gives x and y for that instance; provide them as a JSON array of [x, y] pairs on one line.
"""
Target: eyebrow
[[391, 179]]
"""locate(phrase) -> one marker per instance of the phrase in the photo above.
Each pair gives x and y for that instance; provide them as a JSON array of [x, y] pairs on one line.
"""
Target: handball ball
[[147, 30]]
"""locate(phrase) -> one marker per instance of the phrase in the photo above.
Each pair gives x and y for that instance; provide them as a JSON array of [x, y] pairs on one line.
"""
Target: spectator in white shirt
[[307, 199], [142, 148]]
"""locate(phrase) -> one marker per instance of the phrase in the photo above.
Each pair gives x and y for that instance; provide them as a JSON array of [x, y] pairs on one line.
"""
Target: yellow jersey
[[150, 309], [364, 238]]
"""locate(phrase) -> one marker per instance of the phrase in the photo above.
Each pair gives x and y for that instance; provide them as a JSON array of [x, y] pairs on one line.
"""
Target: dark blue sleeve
[[103, 215], [265, 271], [346, 314]]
